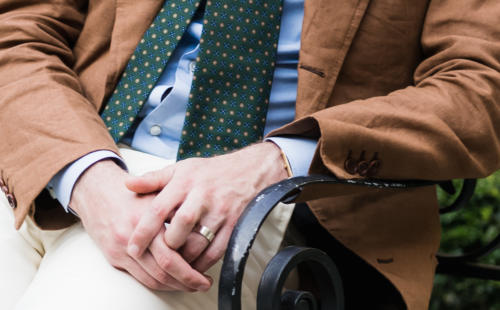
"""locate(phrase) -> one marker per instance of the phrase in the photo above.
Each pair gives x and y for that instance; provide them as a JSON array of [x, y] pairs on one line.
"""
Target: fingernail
[[209, 278], [133, 250], [204, 287]]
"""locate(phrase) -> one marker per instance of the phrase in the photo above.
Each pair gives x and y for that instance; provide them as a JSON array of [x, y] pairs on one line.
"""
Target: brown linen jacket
[[408, 88]]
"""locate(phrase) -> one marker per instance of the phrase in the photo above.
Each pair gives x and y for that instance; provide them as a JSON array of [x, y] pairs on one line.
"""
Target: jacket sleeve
[[446, 125], [42, 103]]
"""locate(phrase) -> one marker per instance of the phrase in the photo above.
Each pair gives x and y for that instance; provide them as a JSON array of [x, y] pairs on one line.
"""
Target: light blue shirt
[[157, 130]]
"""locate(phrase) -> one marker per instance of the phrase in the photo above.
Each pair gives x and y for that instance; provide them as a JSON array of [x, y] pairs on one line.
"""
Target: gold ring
[[205, 232]]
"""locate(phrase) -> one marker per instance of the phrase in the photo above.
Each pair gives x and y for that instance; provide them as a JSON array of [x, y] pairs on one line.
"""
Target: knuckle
[[189, 165], [208, 188], [223, 209], [119, 236], [187, 218], [165, 262], [157, 209], [140, 233]]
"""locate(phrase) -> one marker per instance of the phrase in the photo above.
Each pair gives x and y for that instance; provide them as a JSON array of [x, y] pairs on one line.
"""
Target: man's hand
[[110, 212], [211, 192]]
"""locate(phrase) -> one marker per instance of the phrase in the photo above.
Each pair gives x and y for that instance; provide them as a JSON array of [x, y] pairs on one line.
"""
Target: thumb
[[153, 181]]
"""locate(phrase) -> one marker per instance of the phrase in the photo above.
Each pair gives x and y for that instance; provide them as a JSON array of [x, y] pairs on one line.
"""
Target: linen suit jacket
[[392, 89]]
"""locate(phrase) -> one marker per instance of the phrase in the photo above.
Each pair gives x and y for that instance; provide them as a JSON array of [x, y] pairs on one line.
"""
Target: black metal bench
[[329, 293]]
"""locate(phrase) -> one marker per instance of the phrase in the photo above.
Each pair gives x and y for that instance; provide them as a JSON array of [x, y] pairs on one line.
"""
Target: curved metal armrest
[[322, 270], [257, 211]]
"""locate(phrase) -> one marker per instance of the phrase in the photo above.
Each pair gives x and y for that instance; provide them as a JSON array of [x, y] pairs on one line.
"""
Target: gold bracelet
[[287, 164]]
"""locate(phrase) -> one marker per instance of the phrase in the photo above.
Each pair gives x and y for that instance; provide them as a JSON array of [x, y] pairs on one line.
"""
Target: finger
[[173, 264], [148, 263], [194, 246], [184, 220], [196, 242], [150, 182], [152, 220], [134, 269], [215, 250]]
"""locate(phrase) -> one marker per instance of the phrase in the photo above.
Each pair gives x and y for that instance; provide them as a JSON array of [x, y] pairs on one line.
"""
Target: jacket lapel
[[328, 29], [132, 19]]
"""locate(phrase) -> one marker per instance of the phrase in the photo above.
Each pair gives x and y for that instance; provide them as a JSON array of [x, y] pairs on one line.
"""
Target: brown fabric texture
[[412, 85]]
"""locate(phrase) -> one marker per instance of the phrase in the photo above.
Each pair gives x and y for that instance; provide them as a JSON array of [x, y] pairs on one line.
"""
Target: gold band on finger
[[205, 232]]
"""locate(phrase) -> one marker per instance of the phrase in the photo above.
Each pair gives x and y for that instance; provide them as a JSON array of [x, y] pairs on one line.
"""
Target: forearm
[[45, 120]]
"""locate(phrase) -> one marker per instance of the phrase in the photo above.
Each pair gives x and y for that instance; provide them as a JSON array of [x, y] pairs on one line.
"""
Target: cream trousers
[[64, 269]]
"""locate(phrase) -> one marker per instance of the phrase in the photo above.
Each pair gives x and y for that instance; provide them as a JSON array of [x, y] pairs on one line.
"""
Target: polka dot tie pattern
[[232, 81], [146, 65]]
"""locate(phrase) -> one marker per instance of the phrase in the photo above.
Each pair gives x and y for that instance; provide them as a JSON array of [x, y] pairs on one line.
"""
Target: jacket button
[[373, 168], [350, 165], [12, 200], [363, 168]]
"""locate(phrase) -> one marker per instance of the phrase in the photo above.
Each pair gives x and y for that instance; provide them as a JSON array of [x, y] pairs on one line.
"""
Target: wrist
[[282, 161], [271, 160], [92, 181]]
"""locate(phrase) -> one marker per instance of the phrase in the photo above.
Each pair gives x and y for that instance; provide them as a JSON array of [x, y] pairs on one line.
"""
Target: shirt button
[[155, 130], [192, 66]]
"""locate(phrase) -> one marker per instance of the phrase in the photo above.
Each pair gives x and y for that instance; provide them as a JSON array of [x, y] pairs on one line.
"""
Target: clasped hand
[[126, 219]]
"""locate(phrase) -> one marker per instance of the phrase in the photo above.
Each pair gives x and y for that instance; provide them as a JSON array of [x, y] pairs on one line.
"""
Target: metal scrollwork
[[329, 295]]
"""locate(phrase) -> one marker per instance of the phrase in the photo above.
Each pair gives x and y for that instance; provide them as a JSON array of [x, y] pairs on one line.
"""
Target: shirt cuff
[[298, 150], [61, 185]]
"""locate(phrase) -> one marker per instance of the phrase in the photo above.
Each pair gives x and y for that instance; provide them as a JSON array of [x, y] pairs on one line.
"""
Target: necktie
[[230, 92], [146, 65]]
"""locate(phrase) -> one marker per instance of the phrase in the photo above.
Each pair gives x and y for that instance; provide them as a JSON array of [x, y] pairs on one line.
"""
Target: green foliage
[[466, 230]]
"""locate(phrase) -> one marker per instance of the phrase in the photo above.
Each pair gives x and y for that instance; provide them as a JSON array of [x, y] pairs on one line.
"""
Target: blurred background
[[467, 229]]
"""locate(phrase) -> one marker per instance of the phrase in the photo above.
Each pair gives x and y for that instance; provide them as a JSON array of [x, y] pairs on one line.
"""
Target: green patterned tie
[[146, 65], [230, 92]]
